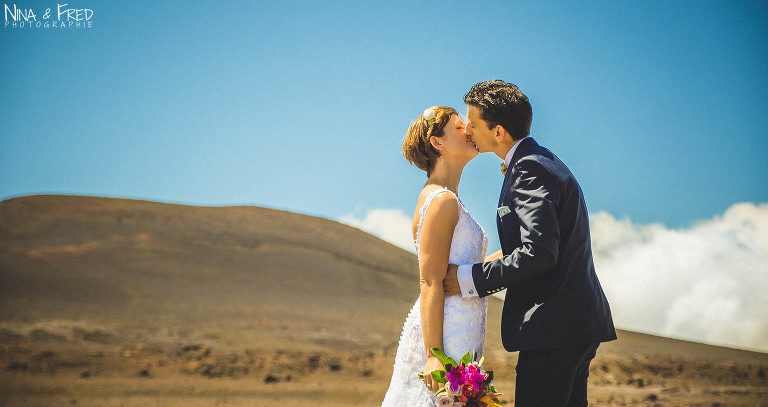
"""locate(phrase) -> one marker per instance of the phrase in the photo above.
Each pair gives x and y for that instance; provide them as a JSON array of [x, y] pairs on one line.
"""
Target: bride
[[444, 232]]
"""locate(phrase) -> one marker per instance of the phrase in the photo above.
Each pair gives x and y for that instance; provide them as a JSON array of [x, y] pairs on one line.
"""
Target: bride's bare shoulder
[[441, 204], [442, 208], [440, 197]]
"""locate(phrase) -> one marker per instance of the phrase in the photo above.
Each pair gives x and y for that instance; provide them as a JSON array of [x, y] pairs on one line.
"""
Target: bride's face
[[455, 142]]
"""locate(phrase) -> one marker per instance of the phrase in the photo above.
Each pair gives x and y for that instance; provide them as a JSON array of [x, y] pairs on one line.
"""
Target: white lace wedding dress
[[463, 319]]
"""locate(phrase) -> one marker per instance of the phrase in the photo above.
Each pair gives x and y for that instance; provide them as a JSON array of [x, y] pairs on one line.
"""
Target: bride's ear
[[435, 141]]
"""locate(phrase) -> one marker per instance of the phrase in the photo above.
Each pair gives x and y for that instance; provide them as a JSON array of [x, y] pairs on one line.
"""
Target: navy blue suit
[[544, 233]]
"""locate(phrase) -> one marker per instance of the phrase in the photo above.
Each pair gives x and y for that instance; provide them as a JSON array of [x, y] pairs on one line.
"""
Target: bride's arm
[[434, 249], [494, 256]]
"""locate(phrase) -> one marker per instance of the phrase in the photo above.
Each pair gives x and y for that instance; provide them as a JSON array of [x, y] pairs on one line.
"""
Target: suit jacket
[[544, 232]]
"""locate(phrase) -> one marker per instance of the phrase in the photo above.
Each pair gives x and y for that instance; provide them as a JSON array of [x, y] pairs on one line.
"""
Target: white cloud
[[706, 282], [388, 224]]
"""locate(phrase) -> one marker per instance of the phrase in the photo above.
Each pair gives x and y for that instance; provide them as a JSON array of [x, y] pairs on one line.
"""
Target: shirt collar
[[511, 152]]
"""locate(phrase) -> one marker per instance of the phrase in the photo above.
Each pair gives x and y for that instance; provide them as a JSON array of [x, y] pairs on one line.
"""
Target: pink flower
[[474, 376], [456, 377]]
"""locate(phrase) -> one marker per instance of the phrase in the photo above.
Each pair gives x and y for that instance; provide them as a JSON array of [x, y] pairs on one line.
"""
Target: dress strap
[[423, 211]]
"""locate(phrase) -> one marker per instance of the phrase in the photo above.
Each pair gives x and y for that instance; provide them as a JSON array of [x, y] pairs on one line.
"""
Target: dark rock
[[94, 336], [191, 348], [271, 379], [143, 373], [334, 365], [6, 336], [17, 367], [42, 335], [313, 362]]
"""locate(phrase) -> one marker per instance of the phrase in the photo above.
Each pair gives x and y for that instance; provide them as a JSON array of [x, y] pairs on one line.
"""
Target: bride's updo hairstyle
[[416, 147]]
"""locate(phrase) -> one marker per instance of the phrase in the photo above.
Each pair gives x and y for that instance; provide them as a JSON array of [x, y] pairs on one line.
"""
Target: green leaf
[[466, 359], [443, 358], [474, 355], [439, 376], [441, 391], [480, 362]]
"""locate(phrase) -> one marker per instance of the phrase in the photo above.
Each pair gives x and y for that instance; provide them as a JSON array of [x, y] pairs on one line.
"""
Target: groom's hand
[[451, 283]]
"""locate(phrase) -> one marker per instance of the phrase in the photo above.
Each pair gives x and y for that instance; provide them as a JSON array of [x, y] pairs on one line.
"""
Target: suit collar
[[511, 152], [518, 148]]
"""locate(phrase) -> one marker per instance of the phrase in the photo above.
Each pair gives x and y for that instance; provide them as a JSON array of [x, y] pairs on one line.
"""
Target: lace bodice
[[469, 242], [463, 318]]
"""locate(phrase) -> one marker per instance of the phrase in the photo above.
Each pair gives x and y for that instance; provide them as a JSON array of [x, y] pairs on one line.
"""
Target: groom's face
[[478, 131]]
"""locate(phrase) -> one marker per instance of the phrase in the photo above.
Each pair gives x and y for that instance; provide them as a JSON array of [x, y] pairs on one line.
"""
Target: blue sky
[[659, 108]]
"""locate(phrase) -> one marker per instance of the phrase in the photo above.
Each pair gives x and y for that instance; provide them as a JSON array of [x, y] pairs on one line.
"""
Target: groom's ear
[[500, 133]]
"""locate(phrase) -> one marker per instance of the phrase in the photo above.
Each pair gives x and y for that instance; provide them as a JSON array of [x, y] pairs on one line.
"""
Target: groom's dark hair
[[502, 103]]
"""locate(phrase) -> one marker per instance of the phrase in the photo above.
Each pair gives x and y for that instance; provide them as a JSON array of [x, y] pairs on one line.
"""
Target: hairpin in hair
[[429, 115]]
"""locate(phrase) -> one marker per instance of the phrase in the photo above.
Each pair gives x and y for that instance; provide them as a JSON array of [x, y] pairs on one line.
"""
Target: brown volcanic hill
[[114, 291], [130, 263], [251, 270]]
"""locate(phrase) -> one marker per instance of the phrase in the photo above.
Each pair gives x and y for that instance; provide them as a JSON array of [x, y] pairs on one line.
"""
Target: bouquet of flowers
[[466, 385]]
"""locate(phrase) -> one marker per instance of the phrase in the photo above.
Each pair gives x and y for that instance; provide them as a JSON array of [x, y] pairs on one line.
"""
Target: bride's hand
[[432, 365]]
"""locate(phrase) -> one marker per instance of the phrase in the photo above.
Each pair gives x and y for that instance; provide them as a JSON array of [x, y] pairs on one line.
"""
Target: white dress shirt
[[464, 272]]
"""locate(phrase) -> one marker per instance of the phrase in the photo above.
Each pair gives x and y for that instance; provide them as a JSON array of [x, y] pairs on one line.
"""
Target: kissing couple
[[555, 312]]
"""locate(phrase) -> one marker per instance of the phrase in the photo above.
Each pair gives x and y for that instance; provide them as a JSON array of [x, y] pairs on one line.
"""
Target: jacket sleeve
[[535, 194]]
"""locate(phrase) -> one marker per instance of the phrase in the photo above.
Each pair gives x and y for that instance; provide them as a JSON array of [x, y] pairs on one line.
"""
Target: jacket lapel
[[503, 208], [524, 144]]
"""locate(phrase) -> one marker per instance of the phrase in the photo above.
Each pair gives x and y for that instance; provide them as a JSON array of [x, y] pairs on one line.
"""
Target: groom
[[555, 312]]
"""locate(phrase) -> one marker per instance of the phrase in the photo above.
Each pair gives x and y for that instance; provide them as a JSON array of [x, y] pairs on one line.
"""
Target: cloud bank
[[706, 283], [391, 225]]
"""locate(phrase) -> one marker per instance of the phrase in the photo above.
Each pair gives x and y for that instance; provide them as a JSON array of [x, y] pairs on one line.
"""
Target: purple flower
[[456, 377], [474, 377]]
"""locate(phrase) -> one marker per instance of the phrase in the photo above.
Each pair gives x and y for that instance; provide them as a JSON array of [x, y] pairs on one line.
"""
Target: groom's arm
[[535, 196], [466, 285]]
